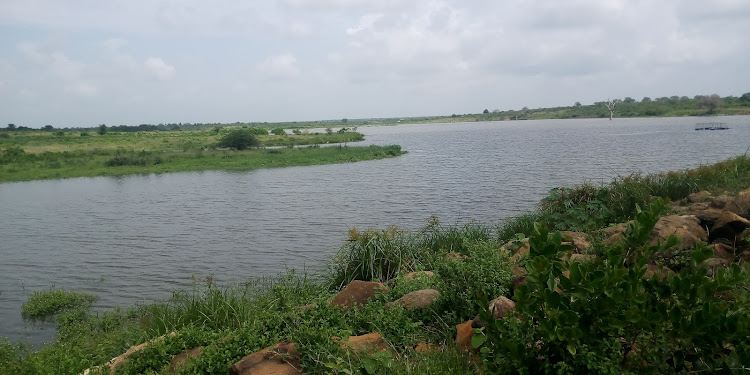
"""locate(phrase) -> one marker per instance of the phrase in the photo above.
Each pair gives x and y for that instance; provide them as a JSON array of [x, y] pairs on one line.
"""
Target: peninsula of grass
[[43, 304], [602, 316], [38, 155]]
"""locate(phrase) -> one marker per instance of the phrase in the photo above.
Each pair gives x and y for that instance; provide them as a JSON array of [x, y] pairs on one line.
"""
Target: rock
[[370, 343], [578, 240], [501, 306], [280, 359], [614, 234], [705, 213], [720, 202], [687, 227], [418, 274], [181, 360], [520, 276], [700, 196], [464, 331], [582, 258], [517, 248], [357, 293], [723, 251], [124, 356], [417, 299], [713, 264], [740, 204], [654, 270], [729, 226]]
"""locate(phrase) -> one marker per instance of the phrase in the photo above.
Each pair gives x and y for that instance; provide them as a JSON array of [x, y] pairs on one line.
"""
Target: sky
[[87, 62]]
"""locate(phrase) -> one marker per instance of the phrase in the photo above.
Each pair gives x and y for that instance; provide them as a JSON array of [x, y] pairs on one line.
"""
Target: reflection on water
[[135, 239]]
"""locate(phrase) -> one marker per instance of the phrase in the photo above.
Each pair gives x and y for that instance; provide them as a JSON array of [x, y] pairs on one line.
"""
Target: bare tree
[[611, 103]]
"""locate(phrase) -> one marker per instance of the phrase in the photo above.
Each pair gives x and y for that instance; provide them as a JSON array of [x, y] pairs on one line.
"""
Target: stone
[[614, 234], [455, 256], [370, 343], [464, 331], [501, 307], [516, 248], [279, 359], [705, 213], [740, 204], [713, 264], [700, 196], [182, 359], [418, 275], [578, 240], [723, 251], [720, 202], [729, 225], [417, 299], [582, 258], [357, 293], [687, 227], [654, 270], [424, 348], [119, 360]]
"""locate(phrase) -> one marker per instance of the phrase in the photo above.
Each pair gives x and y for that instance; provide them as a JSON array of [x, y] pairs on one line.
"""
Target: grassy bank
[[34, 155], [602, 317]]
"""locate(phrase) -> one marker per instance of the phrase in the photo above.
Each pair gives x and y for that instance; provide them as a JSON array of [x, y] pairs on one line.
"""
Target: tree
[[486, 111], [278, 131], [239, 139], [646, 99], [577, 105], [329, 131], [611, 106], [628, 100], [11, 127], [344, 120], [48, 127], [102, 129], [745, 98], [710, 102]]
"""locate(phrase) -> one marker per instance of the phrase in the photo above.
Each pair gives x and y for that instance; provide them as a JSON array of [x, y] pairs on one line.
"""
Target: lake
[[135, 239]]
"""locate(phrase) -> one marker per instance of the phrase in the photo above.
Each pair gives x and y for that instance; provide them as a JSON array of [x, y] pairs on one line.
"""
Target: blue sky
[[85, 62]]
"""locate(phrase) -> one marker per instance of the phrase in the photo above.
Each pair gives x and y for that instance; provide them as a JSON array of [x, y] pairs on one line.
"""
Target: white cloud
[[82, 89], [159, 69], [365, 22], [279, 67]]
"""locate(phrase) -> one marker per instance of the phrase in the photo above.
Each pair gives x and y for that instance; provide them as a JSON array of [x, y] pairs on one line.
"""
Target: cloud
[[365, 22], [159, 69], [280, 67], [82, 89]]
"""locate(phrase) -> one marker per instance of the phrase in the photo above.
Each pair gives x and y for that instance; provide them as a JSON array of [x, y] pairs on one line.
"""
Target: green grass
[[45, 303], [17, 165]]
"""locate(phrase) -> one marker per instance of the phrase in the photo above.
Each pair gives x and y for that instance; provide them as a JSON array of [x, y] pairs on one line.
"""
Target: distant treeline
[[673, 106]]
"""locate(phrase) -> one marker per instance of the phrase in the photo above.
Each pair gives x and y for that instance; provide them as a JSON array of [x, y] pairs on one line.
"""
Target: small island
[[27, 154]]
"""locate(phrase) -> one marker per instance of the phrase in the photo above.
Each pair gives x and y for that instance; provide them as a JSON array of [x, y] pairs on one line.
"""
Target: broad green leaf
[[477, 340], [572, 348]]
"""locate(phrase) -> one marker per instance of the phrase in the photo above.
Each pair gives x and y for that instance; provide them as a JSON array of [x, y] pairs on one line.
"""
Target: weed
[[42, 304]]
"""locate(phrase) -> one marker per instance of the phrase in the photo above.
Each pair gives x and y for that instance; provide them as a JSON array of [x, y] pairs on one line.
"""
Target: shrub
[[606, 318], [278, 131], [239, 139], [45, 303]]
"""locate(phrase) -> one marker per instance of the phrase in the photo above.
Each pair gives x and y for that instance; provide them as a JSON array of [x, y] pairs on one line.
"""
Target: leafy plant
[[239, 139], [49, 302]]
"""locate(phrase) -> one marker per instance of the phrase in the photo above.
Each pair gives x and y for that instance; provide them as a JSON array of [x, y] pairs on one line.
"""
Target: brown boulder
[[424, 348], [124, 356], [181, 360], [699, 196], [501, 306], [705, 213], [464, 331], [578, 240], [370, 343], [723, 251], [614, 234], [516, 248], [740, 204], [654, 270], [713, 264], [729, 226], [417, 299], [720, 202], [687, 227], [357, 293], [280, 359]]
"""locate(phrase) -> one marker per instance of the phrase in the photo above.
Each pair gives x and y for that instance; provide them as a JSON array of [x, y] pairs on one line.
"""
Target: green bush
[[606, 318], [239, 139], [278, 131], [49, 302]]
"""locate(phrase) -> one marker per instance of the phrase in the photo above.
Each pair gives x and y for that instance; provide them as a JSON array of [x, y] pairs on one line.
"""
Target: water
[[135, 239]]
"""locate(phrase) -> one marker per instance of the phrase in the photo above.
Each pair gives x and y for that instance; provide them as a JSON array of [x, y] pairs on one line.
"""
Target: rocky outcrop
[[578, 240], [357, 293], [417, 299], [686, 227], [516, 248], [368, 343], [182, 359], [729, 225], [464, 331], [122, 358], [501, 306], [279, 359], [700, 196]]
